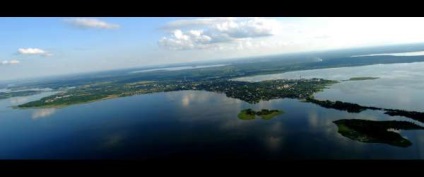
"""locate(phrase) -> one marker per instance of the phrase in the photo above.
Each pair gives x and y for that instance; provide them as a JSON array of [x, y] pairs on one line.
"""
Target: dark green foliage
[[419, 116], [249, 114], [246, 91], [361, 78], [376, 131], [349, 107], [356, 108]]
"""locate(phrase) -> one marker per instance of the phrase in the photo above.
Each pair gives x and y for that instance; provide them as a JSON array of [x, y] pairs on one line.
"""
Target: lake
[[400, 86], [190, 125]]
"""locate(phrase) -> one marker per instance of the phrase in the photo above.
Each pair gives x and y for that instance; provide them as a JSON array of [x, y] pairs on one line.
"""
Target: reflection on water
[[18, 100], [162, 126], [185, 101], [43, 113], [274, 142], [113, 140]]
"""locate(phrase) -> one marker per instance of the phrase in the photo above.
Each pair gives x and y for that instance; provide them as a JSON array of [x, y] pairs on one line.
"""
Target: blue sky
[[35, 47]]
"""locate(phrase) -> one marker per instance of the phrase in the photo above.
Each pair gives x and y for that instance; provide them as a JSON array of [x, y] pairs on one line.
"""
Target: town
[[251, 92]]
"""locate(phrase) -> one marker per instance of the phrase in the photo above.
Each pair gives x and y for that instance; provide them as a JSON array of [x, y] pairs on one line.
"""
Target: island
[[249, 114], [368, 131], [361, 78], [268, 114]]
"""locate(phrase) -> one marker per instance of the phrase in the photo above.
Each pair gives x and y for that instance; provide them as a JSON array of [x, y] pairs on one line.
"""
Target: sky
[[37, 47]]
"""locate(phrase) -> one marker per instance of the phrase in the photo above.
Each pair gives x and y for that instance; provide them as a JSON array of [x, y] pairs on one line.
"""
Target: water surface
[[189, 125], [400, 86]]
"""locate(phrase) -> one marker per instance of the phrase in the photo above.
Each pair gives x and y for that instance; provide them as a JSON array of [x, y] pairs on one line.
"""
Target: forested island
[[362, 78], [368, 131], [249, 114]]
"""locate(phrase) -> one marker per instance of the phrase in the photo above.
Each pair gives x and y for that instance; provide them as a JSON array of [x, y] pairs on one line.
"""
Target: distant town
[[251, 92]]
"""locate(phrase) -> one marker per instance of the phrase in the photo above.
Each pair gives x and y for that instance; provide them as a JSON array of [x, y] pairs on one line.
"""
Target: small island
[[249, 114], [361, 78], [368, 131]]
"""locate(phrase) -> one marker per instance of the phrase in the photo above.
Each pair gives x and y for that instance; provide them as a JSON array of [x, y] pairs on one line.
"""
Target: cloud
[[256, 27], [190, 40], [208, 33], [33, 51], [193, 23], [10, 62], [91, 23]]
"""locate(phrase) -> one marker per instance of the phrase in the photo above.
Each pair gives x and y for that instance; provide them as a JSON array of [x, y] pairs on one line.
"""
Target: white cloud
[[211, 32], [190, 40], [14, 62], [193, 23], [255, 27], [10, 62], [33, 51], [91, 23]]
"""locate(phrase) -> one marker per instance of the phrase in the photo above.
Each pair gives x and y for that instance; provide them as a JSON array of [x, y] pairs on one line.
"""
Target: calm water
[[417, 53], [188, 124]]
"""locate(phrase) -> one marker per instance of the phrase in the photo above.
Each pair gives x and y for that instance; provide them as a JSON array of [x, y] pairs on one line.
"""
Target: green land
[[362, 78], [368, 131], [356, 108], [249, 114], [251, 92], [99, 86]]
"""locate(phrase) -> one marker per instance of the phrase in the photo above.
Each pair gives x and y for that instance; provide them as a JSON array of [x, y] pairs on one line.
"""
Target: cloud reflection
[[186, 100], [42, 113], [18, 100], [274, 142], [113, 140]]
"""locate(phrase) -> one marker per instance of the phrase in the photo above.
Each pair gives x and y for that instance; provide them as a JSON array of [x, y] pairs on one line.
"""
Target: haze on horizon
[[36, 47]]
